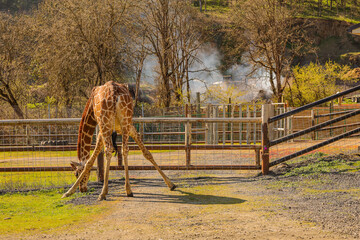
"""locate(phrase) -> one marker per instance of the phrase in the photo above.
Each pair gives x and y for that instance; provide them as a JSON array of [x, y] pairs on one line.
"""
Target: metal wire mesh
[[35, 154], [311, 141]]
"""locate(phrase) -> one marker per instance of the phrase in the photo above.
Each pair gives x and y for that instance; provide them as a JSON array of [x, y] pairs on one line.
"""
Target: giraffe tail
[[113, 138]]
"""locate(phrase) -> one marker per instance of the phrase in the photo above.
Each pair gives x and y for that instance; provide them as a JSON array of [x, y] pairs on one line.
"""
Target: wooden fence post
[[313, 134], [119, 156], [188, 138], [207, 125], [247, 125], [223, 127], [100, 167], [265, 138]]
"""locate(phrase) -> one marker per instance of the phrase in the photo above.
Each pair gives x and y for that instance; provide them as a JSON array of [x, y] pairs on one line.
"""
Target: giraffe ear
[[74, 165]]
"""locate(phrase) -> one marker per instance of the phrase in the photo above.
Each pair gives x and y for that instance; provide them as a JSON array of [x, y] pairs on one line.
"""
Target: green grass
[[349, 13], [315, 172], [35, 180], [322, 166], [349, 55], [330, 17], [37, 154], [41, 211], [54, 154]]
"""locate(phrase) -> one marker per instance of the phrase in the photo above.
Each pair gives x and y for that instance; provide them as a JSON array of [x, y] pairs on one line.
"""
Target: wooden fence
[[189, 143], [227, 127]]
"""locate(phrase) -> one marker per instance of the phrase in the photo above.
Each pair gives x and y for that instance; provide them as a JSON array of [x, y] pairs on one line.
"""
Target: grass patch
[[350, 54], [325, 165], [41, 211], [353, 191], [55, 154], [37, 154], [303, 184], [331, 17], [35, 180]]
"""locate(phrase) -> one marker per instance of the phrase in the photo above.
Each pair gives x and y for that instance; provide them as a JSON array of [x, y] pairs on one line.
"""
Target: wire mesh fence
[[36, 153], [333, 138]]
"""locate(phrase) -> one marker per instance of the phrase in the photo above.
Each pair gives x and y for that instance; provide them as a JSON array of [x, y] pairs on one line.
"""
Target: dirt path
[[216, 206]]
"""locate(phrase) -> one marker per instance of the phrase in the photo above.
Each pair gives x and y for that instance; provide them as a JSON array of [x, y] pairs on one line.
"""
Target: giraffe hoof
[[130, 194], [173, 187], [65, 195], [100, 198]]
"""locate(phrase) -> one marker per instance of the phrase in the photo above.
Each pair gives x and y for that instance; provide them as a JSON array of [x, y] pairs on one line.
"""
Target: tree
[[314, 82], [84, 43], [272, 37], [170, 31], [185, 45], [15, 59]]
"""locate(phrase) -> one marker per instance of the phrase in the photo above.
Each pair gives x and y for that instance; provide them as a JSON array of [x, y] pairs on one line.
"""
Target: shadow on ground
[[179, 196], [188, 198]]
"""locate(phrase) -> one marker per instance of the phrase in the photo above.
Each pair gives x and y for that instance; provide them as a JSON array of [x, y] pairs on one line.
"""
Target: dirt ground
[[226, 205]]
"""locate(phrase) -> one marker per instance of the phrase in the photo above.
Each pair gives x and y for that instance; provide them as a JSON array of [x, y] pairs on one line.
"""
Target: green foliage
[[221, 94], [314, 81]]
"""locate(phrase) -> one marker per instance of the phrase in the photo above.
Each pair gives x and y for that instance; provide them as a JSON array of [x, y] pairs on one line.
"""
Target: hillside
[[330, 19], [328, 31]]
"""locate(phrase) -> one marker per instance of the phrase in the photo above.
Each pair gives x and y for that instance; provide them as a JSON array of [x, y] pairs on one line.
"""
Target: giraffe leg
[[125, 152], [104, 190], [148, 156], [87, 167], [106, 129]]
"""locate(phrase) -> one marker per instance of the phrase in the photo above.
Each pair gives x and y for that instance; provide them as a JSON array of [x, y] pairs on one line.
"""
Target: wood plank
[[146, 167]]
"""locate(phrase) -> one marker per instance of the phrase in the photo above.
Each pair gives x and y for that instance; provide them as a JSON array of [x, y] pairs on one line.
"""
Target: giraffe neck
[[86, 131]]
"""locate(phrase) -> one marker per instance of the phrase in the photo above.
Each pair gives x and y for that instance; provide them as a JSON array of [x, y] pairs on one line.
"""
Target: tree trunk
[[188, 86], [138, 78], [18, 110], [9, 97], [68, 106]]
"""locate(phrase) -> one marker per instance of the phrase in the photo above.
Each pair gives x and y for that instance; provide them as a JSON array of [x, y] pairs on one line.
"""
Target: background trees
[[272, 39], [83, 44], [314, 82], [170, 30], [56, 51], [16, 42]]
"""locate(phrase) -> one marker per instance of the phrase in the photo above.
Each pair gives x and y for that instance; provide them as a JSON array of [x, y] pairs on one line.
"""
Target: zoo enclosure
[[214, 137], [177, 143]]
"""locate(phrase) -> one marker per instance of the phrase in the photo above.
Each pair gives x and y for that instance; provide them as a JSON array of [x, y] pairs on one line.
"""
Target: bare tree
[[84, 43], [171, 33], [15, 60], [185, 45], [273, 38]]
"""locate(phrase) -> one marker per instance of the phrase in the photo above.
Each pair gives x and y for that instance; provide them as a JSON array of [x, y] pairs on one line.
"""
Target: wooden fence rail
[[273, 121], [187, 145]]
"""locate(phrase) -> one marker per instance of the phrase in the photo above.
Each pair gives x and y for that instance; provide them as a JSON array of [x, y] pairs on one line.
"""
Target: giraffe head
[[78, 167]]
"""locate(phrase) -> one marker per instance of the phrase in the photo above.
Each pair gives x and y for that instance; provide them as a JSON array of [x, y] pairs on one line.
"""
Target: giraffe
[[110, 107]]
